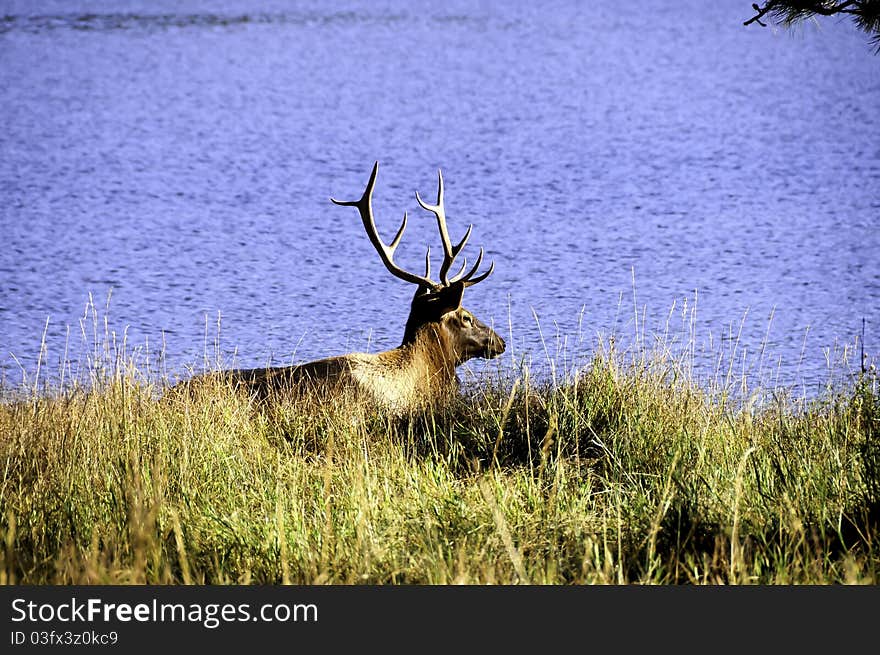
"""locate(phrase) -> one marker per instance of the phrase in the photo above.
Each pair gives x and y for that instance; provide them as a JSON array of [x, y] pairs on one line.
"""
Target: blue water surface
[[651, 170]]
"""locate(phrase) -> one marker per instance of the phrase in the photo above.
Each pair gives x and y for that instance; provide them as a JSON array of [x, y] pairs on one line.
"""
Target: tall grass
[[621, 469]]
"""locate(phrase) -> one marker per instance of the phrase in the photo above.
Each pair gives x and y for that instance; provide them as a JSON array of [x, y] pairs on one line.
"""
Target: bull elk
[[439, 335]]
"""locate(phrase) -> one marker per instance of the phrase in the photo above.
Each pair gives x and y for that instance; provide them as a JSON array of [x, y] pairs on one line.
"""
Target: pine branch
[[865, 13]]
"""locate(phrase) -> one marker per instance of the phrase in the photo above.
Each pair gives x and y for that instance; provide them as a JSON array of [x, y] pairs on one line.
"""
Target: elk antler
[[450, 252], [386, 252]]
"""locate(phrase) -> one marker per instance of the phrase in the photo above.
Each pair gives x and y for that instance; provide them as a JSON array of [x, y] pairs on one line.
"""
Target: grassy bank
[[621, 471]]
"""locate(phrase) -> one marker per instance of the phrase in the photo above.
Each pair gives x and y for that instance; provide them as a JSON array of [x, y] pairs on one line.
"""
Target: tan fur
[[408, 378], [418, 374]]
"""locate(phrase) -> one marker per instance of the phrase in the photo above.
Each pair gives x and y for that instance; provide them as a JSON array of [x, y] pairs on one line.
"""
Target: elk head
[[436, 312]]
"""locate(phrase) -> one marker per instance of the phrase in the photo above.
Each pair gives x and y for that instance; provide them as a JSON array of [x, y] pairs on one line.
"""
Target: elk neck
[[429, 347]]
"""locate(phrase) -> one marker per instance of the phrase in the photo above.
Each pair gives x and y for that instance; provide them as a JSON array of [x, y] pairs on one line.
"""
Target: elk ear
[[452, 297], [433, 305]]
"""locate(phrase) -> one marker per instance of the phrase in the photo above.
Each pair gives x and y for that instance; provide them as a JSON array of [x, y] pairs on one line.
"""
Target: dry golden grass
[[624, 470]]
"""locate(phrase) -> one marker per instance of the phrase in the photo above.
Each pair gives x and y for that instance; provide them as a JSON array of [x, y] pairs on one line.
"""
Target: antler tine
[[397, 237], [386, 252], [467, 279], [467, 235], [457, 276], [480, 278], [450, 252], [473, 270]]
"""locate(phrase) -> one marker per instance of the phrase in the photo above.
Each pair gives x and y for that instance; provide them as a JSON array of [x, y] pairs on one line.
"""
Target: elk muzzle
[[494, 345]]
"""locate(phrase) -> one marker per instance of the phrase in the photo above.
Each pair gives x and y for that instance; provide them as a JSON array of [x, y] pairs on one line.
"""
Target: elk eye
[[466, 319]]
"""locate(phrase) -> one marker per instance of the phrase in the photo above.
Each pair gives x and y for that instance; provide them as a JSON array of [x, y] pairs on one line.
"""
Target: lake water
[[622, 164]]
